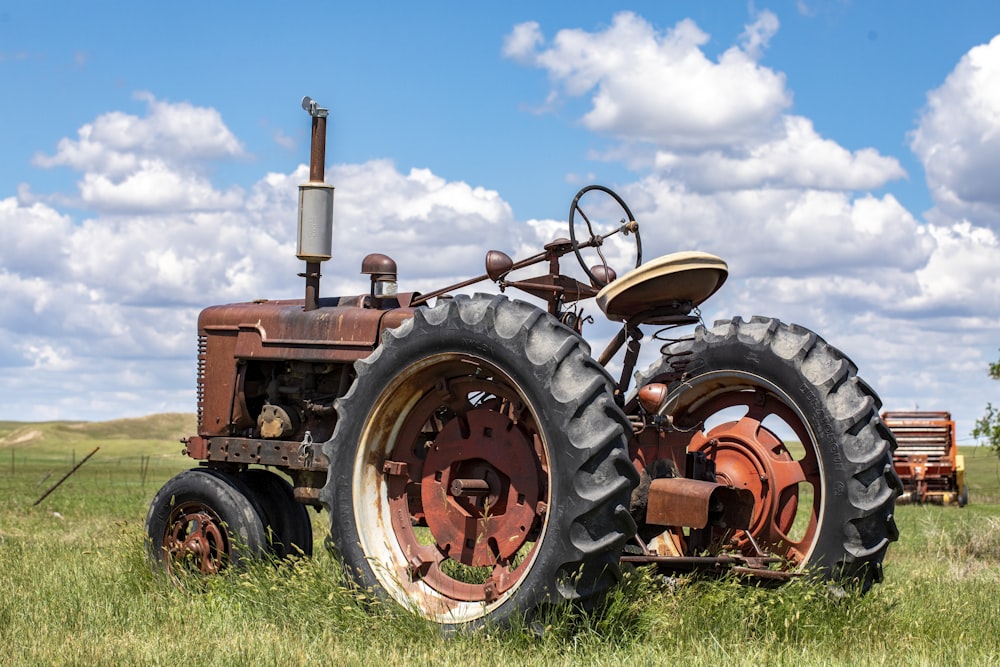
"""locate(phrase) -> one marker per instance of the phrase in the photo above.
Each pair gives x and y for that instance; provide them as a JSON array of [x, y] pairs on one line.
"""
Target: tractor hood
[[340, 329]]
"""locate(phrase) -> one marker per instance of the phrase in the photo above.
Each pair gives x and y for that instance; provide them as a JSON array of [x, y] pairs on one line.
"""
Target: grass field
[[75, 587]]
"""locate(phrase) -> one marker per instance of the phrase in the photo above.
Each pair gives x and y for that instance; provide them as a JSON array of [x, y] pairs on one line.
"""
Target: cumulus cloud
[[521, 42], [175, 132], [132, 164], [31, 238], [796, 158], [780, 231], [659, 87], [961, 277], [958, 139], [712, 124]]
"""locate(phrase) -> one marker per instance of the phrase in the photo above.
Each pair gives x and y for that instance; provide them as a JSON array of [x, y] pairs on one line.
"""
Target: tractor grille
[[202, 348]]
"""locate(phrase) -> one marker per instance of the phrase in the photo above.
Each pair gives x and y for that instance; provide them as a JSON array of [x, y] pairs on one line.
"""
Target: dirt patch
[[19, 437]]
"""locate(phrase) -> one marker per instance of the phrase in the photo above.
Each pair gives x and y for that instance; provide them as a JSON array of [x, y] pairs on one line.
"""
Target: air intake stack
[[315, 207]]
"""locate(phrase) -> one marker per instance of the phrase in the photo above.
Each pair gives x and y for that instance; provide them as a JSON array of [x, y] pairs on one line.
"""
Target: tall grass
[[75, 588]]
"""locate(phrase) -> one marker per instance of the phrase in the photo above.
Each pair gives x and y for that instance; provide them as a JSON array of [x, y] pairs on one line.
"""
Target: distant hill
[[170, 426]]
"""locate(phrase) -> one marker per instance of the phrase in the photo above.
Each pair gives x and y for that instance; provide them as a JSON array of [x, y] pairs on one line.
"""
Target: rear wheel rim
[[454, 552], [749, 453]]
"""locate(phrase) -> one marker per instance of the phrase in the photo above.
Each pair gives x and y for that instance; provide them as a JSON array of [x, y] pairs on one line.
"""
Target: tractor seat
[[676, 278]]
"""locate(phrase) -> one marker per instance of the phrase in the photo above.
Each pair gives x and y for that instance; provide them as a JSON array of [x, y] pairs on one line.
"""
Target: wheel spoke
[[195, 538], [787, 475]]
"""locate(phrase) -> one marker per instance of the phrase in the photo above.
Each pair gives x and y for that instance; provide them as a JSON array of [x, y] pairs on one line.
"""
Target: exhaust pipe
[[315, 207]]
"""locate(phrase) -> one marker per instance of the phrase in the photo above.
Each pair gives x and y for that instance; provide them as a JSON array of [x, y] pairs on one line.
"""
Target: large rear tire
[[479, 469], [748, 392]]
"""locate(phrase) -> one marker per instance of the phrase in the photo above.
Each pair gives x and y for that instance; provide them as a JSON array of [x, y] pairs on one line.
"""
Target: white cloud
[[31, 238], [660, 87], [153, 163], [958, 139], [796, 158], [961, 277], [47, 358], [776, 232], [175, 132], [522, 41], [712, 125], [757, 36], [154, 186], [432, 227]]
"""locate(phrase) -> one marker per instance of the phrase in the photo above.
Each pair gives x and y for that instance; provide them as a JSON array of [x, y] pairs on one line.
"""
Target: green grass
[[75, 587]]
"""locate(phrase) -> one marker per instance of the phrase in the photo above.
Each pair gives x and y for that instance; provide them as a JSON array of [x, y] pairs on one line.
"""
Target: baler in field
[[927, 459]]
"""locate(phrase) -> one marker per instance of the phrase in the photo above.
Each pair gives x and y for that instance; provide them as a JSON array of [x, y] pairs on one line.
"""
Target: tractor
[[477, 463]]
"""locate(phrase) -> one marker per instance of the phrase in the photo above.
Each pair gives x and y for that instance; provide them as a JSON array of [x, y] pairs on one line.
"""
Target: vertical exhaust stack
[[315, 207]]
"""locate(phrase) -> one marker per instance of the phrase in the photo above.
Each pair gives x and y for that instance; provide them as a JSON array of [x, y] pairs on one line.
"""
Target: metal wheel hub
[[195, 538], [749, 456], [480, 488]]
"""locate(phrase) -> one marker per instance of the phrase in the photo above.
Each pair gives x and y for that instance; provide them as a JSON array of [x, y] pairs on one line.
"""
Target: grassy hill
[[158, 428]]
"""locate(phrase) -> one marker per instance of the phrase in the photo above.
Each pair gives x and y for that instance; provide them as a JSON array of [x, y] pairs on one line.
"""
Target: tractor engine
[[289, 399]]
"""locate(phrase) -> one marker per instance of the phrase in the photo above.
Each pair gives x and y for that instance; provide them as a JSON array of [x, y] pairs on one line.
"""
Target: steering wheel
[[626, 226]]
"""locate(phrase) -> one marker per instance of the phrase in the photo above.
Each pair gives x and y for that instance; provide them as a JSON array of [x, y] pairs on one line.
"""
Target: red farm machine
[[476, 462], [927, 459]]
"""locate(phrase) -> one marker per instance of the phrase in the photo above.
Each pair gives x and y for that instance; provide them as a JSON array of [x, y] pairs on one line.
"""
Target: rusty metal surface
[[317, 152], [196, 538], [196, 447], [280, 453], [691, 503], [550, 287], [479, 493], [341, 330], [452, 435], [755, 567], [278, 330], [750, 456], [926, 457]]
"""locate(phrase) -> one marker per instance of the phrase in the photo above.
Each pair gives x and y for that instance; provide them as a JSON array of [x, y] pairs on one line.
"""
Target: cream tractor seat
[[679, 277]]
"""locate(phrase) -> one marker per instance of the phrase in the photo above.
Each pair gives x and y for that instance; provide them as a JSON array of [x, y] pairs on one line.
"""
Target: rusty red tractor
[[477, 463]]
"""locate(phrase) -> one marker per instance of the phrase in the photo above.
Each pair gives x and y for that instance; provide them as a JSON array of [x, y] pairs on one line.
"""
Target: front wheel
[[286, 522], [203, 521], [478, 468], [783, 414]]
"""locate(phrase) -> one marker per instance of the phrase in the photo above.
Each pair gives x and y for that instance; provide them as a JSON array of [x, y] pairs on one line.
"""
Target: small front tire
[[286, 521], [203, 521]]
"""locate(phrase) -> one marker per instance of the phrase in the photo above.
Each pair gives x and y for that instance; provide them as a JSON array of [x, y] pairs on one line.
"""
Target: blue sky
[[838, 154]]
